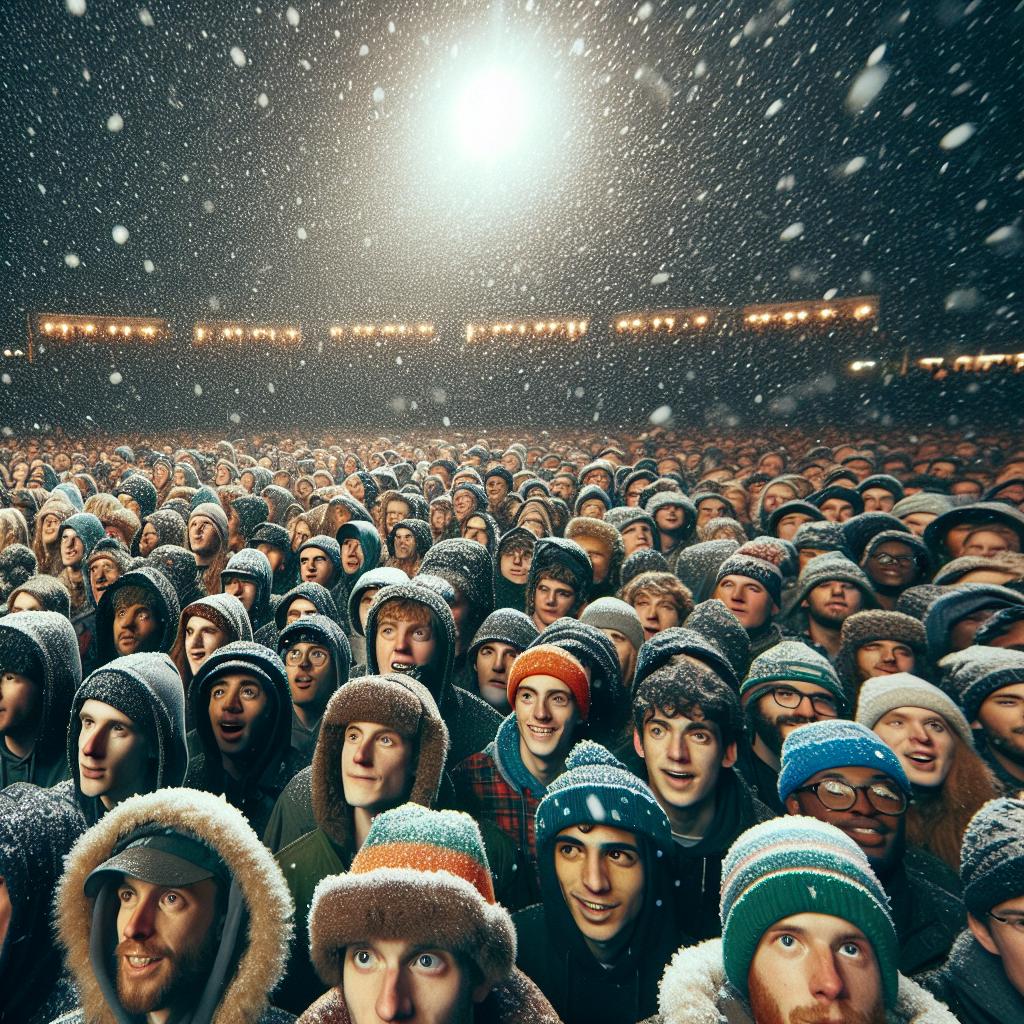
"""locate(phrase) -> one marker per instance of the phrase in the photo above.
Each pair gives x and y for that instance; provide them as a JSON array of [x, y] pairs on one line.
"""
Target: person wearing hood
[[126, 734], [619, 622], [597, 944], [137, 612], [379, 943], [382, 744], [360, 548], [317, 659], [208, 542], [603, 545], [205, 626], [501, 502], [482, 529], [751, 588], [40, 670], [982, 982], [37, 831], [408, 541], [242, 710], [878, 643], [244, 515], [512, 568], [40, 594], [537, 515], [177, 873], [51, 514], [806, 934], [138, 494], [676, 518], [249, 577], [108, 561], [320, 562], [274, 542], [946, 534], [76, 538], [559, 582], [359, 601], [842, 773], [17, 566], [501, 638]]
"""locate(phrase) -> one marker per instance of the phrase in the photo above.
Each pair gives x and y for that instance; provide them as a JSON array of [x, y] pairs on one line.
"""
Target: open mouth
[[142, 963], [303, 682], [401, 666], [231, 730], [594, 910], [540, 731], [678, 776], [921, 759]]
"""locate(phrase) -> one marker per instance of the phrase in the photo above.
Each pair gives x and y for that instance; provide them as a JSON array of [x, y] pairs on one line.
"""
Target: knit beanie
[[611, 613], [882, 694], [998, 624], [502, 473], [835, 491], [917, 547], [823, 536], [959, 602], [643, 560], [833, 566], [141, 491], [821, 746], [881, 481], [212, 511], [413, 863], [792, 508], [790, 660], [974, 673], [718, 626], [992, 856], [251, 511], [877, 624], [860, 530], [799, 865], [112, 548], [505, 626], [663, 499], [923, 501], [915, 601], [597, 789], [273, 535], [469, 568], [768, 575], [549, 660]]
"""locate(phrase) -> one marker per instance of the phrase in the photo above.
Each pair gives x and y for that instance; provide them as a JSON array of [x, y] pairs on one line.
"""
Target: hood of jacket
[[375, 578], [165, 603], [319, 597], [694, 990], [49, 639], [369, 543], [259, 936], [169, 526], [223, 609], [253, 565], [48, 591], [178, 565]]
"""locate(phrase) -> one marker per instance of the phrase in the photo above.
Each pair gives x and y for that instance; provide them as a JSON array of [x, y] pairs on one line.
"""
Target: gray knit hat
[[923, 501], [611, 613], [992, 856], [975, 672], [768, 575], [216, 515], [882, 694], [833, 566], [823, 536], [506, 626]]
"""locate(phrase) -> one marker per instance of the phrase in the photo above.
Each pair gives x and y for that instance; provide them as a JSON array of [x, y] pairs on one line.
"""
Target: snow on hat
[[507, 626], [644, 560], [790, 660], [992, 856], [835, 492], [597, 789], [829, 567], [974, 673], [998, 624], [796, 506], [820, 536], [923, 501], [212, 511], [663, 499], [865, 627], [883, 481], [949, 609], [799, 865], [768, 575], [421, 876], [820, 746], [611, 613], [882, 694], [549, 660]]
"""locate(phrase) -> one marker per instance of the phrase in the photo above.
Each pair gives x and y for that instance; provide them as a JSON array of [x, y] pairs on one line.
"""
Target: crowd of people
[[576, 728]]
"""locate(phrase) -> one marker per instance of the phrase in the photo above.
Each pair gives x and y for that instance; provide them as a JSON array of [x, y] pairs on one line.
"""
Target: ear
[[729, 755], [482, 991], [982, 934], [638, 745], [793, 805]]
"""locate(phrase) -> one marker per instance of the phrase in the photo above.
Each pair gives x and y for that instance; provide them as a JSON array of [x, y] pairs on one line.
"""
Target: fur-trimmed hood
[[694, 990], [261, 938]]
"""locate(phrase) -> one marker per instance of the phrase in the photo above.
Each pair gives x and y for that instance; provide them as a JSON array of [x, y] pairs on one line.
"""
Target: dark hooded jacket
[[179, 566], [506, 593], [17, 565], [37, 831], [43, 646], [254, 566], [277, 536], [274, 763], [369, 543], [319, 597], [147, 689], [226, 612], [48, 591], [169, 526], [164, 604], [254, 932]]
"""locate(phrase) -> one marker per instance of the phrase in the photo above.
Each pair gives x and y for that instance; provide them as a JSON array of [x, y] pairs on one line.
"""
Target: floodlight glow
[[491, 114]]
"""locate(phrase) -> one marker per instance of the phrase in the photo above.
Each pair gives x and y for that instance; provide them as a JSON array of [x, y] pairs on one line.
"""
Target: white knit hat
[[882, 694]]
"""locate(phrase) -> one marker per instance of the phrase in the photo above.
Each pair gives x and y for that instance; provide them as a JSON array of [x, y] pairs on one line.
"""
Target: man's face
[[113, 755], [275, 556], [242, 588], [239, 711], [600, 478], [551, 600], [72, 549], [836, 510], [600, 556], [831, 602], [475, 529], [878, 499], [20, 706], [394, 980], [1001, 715], [656, 611], [546, 717], [148, 539], [1012, 638], [787, 526], [202, 638], [562, 487], [351, 555], [877, 833], [493, 661], [883, 658], [746, 599], [310, 671], [102, 572], [922, 740], [633, 492], [712, 508], [299, 608], [790, 703], [203, 537], [496, 489], [377, 765], [669, 518], [405, 544], [463, 503], [315, 566], [980, 543], [1004, 938], [222, 477], [134, 624], [892, 564], [815, 969], [515, 564], [774, 496], [601, 874], [636, 536], [961, 634], [401, 643], [593, 508], [771, 464], [626, 652], [683, 756], [168, 944]]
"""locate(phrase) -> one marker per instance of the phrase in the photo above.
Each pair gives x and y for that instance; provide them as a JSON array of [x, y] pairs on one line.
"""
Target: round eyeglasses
[[837, 795]]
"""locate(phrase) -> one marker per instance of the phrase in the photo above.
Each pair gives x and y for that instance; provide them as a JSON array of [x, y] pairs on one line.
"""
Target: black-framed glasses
[[903, 561], [837, 795], [1016, 923], [790, 699]]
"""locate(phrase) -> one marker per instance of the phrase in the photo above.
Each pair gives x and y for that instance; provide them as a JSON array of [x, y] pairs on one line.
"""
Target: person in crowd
[[408, 541], [954, 617], [386, 954], [205, 626], [893, 562], [676, 519], [40, 594], [501, 638], [659, 599], [512, 568], [619, 622], [249, 577], [173, 910], [751, 589], [138, 612], [559, 581], [359, 601], [878, 643], [108, 561], [807, 934], [842, 773], [207, 532], [603, 545]]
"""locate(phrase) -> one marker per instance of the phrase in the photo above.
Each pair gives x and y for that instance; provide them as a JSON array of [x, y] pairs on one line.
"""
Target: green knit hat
[[799, 865], [791, 660]]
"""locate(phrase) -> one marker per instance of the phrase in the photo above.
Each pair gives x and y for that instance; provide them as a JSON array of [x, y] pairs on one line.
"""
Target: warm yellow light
[[656, 322], [47, 327], [765, 317], [670, 322], [701, 320], [622, 325], [862, 311], [583, 327], [112, 329], [802, 315], [638, 322], [826, 313], [89, 328], [788, 315]]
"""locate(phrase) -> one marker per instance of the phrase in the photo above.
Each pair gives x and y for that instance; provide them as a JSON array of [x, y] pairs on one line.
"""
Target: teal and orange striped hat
[[421, 876]]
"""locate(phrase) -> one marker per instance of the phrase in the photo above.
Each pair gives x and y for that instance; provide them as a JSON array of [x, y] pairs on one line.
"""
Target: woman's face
[[350, 465], [20, 473], [300, 534], [160, 475], [50, 527], [355, 487]]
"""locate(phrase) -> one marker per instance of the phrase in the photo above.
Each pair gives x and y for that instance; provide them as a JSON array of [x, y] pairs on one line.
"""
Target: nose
[[541, 712], [920, 733], [805, 699], [677, 749], [140, 924], [233, 699], [595, 877], [393, 1000], [364, 752], [95, 745], [826, 983]]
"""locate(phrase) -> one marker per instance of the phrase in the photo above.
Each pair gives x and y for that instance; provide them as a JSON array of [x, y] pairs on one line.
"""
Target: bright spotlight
[[491, 114]]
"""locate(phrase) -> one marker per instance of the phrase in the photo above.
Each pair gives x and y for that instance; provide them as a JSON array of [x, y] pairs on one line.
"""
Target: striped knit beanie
[[421, 876], [790, 661], [799, 865], [549, 660]]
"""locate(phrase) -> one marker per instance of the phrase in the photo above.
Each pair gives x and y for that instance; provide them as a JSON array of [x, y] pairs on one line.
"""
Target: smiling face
[[922, 740], [546, 716], [1001, 715], [892, 565], [377, 764]]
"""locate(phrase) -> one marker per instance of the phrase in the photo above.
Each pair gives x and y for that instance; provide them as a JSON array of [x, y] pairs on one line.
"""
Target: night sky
[[290, 160]]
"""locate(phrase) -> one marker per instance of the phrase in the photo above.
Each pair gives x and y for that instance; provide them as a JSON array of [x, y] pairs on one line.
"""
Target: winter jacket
[[164, 603], [694, 990], [973, 984], [37, 830], [237, 993], [47, 642]]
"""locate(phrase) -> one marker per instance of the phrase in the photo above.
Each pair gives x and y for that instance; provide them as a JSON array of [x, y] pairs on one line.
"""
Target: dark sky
[[675, 154]]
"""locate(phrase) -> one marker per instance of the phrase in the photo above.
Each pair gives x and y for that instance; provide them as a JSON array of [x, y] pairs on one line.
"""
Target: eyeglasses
[[295, 656], [788, 698], [1016, 923], [837, 795], [903, 561]]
